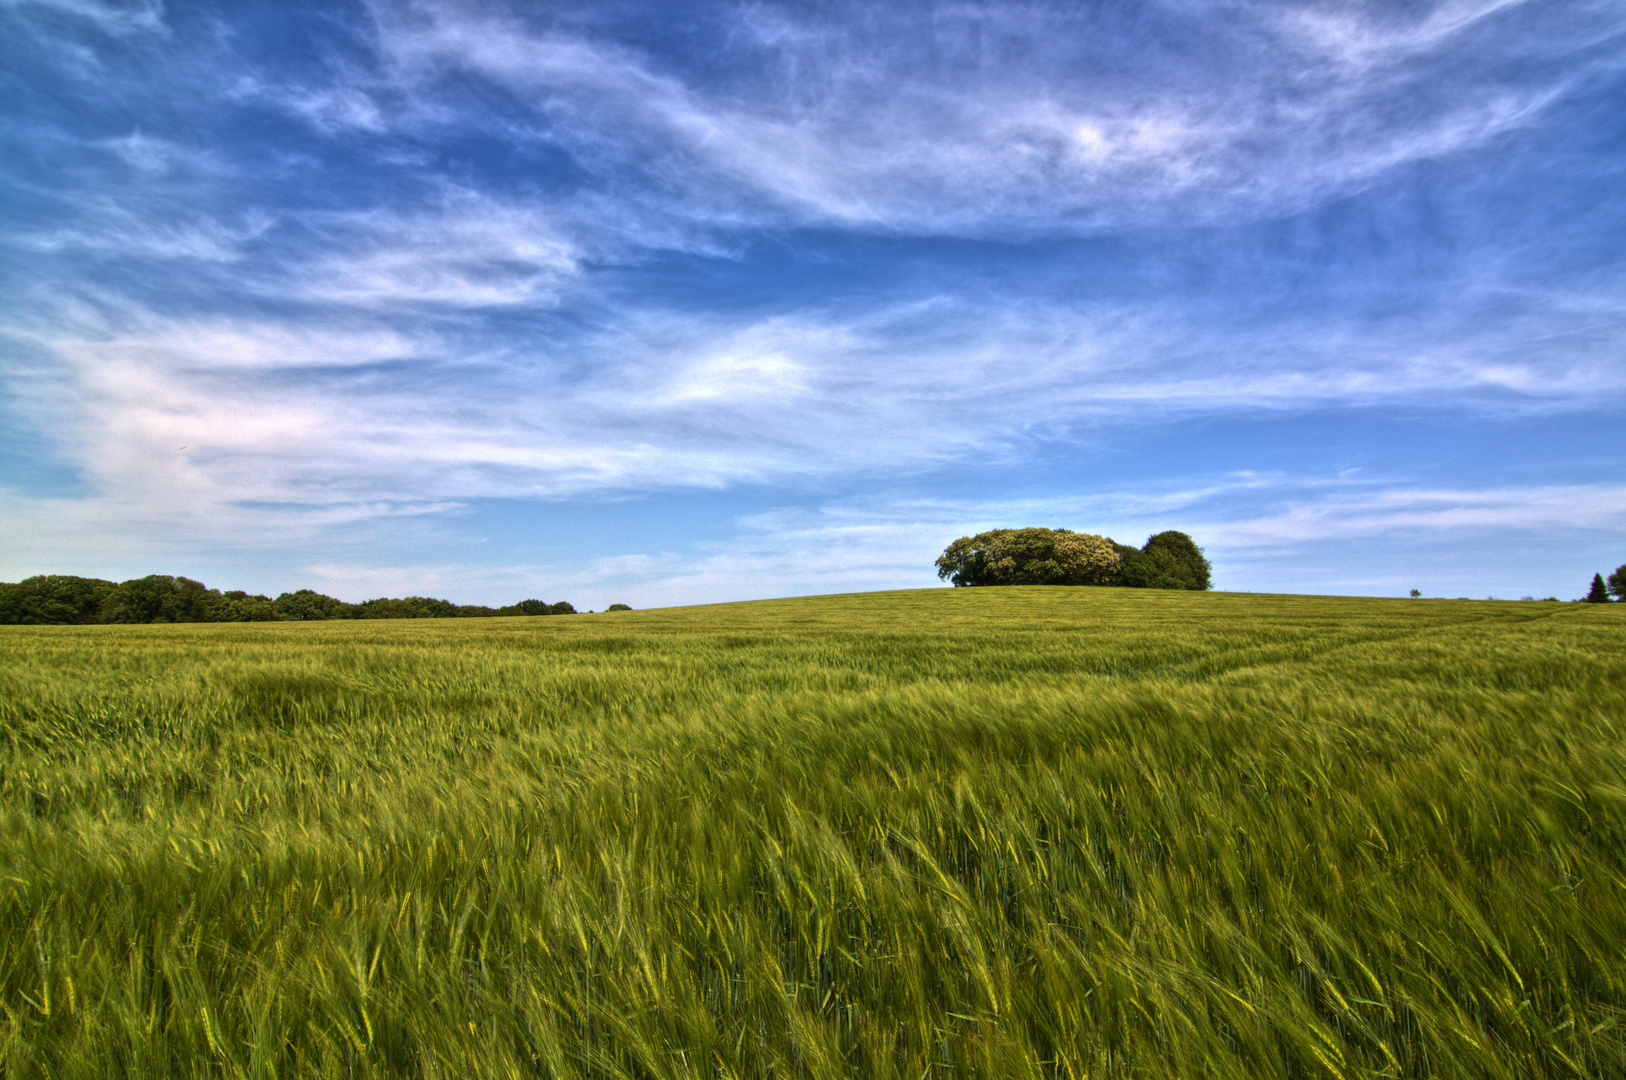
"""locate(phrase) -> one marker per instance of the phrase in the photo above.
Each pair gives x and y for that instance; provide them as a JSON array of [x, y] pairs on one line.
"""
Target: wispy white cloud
[[1277, 533], [109, 228], [110, 16], [146, 154], [460, 251], [416, 281], [989, 121], [916, 122], [1356, 37], [1397, 511], [368, 408], [333, 109]]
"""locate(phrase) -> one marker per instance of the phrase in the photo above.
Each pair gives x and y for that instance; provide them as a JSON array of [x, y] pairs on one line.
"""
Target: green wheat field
[[1019, 832]]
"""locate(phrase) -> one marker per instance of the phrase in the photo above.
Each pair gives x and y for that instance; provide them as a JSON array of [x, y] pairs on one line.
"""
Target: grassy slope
[[981, 832]]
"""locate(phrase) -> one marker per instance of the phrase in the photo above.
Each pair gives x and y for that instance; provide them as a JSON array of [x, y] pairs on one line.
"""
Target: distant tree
[[54, 598], [1599, 593], [1133, 572], [160, 598], [1032, 556], [410, 607], [309, 605], [1617, 583], [239, 606], [1170, 560], [1415, 593], [536, 607], [473, 611], [157, 598], [618, 607], [1174, 561]]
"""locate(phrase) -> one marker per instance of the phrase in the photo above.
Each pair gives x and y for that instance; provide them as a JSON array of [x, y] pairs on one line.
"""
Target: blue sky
[[663, 304]]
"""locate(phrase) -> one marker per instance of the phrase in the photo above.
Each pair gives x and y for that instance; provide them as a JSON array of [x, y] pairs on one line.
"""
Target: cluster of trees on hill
[[1036, 556], [59, 598]]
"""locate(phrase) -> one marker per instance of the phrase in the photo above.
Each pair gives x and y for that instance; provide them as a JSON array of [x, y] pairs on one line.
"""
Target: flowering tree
[[1031, 556]]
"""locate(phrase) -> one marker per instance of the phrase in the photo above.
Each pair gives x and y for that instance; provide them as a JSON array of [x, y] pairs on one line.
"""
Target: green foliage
[[409, 607], [525, 607], [53, 598], [1035, 556], [537, 607], [163, 599], [424, 607], [308, 605], [238, 606], [1617, 582], [1169, 560], [618, 607], [1031, 556], [1172, 560], [1598, 594], [1023, 832], [1131, 567], [157, 598]]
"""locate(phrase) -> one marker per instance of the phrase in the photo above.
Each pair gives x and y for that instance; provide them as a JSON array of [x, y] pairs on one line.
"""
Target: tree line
[[60, 598], [1037, 556]]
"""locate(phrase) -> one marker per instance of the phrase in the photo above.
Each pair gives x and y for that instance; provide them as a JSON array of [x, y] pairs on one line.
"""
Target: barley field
[[1020, 832]]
